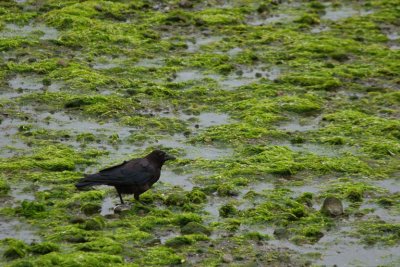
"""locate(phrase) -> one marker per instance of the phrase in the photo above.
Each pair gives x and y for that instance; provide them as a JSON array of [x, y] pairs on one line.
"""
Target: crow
[[135, 176]]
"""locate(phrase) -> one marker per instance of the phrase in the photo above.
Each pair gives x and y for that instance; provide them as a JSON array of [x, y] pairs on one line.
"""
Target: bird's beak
[[169, 157]]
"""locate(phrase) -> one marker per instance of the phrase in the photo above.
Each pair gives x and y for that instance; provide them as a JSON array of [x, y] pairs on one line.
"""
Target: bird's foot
[[122, 207]]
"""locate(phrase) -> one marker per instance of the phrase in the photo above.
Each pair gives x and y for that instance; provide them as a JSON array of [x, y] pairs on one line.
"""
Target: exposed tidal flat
[[271, 107]]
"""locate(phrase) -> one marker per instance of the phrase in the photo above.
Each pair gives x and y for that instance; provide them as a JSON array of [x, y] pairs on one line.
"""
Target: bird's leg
[[137, 198], [120, 197]]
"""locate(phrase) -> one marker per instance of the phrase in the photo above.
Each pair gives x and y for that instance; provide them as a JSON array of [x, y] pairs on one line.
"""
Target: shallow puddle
[[301, 125], [212, 207], [182, 180], [301, 189], [204, 120], [342, 250], [194, 152], [21, 193], [319, 149], [150, 62], [105, 63], [319, 29], [352, 95], [107, 207], [188, 75], [248, 76], [208, 119], [32, 82], [104, 66], [16, 229], [270, 19], [55, 86], [393, 36], [63, 121], [390, 216], [196, 43], [392, 184], [394, 47], [270, 73], [232, 83], [257, 188], [10, 145], [234, 51], [336, 248], [45, 32], [342, 13]]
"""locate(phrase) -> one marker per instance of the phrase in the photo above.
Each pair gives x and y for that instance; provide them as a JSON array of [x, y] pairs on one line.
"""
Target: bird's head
[[160, 156]]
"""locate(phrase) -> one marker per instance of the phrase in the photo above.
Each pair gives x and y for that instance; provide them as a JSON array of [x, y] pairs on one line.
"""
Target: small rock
[[227, 258], [98, 8], [185, 4], [123, 208], [332, 206]]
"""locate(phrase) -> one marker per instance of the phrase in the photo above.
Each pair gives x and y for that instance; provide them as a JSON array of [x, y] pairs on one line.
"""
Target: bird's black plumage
[[135, 176]]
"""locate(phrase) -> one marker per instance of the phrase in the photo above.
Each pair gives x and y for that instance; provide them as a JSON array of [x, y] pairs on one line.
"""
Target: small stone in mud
[[227, 258], [332, 206], [121, 209], [185, 4]]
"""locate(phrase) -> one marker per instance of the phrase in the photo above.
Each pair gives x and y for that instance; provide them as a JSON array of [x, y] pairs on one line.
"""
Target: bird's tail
[[84, 184]]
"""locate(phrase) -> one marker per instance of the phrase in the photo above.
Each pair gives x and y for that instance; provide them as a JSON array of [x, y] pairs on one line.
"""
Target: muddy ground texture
[[270, 107]]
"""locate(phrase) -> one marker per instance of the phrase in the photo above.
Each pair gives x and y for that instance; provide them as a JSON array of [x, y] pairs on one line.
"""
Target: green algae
[[161, 256], [16, 249], [346, 74], [373, 232], [75, 259], [44, 248], [4, 187], [50, 158]]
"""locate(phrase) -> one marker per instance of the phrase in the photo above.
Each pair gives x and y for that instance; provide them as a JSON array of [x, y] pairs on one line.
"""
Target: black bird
[[135, 176]]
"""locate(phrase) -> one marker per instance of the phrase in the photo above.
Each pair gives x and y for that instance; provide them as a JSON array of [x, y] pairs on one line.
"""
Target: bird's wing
[[114, 167], [134, 172]]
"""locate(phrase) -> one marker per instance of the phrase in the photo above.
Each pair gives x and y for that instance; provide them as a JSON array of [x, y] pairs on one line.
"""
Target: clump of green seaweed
[[296, 80]]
